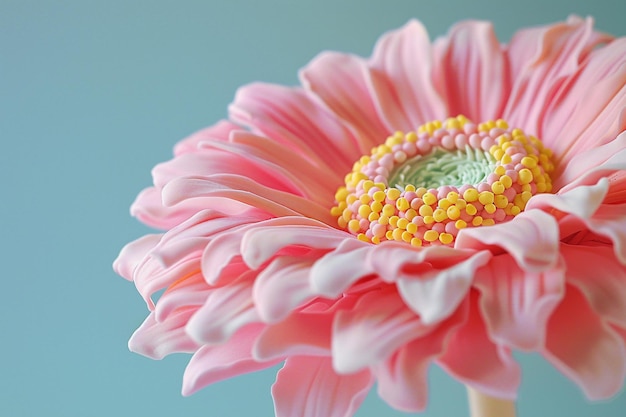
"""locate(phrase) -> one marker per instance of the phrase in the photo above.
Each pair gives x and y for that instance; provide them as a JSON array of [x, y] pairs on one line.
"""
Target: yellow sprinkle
[[431, 235], [373, 216], [365, 199], [498, 154], [541, 187], [393, 193], [409, 187], [526, 187], [506, 181], [461, 204], [411, 228], [361, 236], [515, 210], [501, 201], [429, 198], [353, 225], [470, 195], [446, 238], [488, 222], [440, 215], [453, 212], [497, 187], [452, 123], [402, 223], [411, 137], [367, 184], [470, 209], [444, 203], [341, 194], [389, 235], [375, 240], [351, 199], [429, 219], [364, 211], [389, 210], [524, 176], [380, 185], [486, 197], [383, 220], [393, 221], [417, 242], [477, 221], [376, 206], [490, 208], [502, 124], [336, 211], [402, 204], [526, 196], [529, 162], [506, 159], [406, 236], [397, 234], [347, 215], [379, 196], [342, 222], [460, 224], [500, 170], [453, 197], [425, 211], [420, 192]]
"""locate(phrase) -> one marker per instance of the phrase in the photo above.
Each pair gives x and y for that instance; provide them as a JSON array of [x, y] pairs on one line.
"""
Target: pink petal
[[189, 291], [585, 348], [370, 332], [157, 339], [436, 294], [226, 310], [402, 60], [219, 131], [308, 387], [600, 278], [403, 378], [291, 117], [133, 254], [342, 83], [516, 304], [211, 364], [281, 287], [540, 60], [475, 360], [470, 71], [265, 240], [532, 238], [589, 108], [336, 271]]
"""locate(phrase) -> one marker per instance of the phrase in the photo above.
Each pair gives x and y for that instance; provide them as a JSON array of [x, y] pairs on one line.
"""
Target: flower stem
[[482, 405]]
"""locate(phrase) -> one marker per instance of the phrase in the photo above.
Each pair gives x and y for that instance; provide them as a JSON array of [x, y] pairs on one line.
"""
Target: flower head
[[438, 203]]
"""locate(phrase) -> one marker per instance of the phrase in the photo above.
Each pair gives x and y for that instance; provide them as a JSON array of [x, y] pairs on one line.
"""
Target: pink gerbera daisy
[[444, 202]]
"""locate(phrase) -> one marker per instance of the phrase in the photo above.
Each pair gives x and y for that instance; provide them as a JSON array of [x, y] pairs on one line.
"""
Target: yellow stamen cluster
[[374, 210]]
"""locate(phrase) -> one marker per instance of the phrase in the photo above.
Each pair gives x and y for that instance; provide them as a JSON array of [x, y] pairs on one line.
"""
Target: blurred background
[[92, 95]]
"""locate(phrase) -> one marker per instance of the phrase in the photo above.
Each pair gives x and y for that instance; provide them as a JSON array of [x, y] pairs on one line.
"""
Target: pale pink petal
[[157, 339], [246, 191], [403, 378], [305, 333], [211, 364], [189, 291], [133, 254], [219, 131], [517, 304], [226, 310], [334, 272], [403, 60], [435, 294], [588, 167], [585, 348], [309, 387], [289, 116], [342, 83], [265, 240], [601, 279], [472, 358], [281, 287], [589, 108], [370, 332], [470, 71], [540, 60], [149, 209], [532, 238]]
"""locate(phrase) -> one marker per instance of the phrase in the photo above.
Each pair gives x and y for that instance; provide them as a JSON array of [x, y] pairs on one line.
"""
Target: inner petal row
[[423, 187]]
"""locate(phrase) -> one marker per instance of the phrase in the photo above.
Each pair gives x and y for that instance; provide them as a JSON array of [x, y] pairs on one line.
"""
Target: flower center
[[423, 187]]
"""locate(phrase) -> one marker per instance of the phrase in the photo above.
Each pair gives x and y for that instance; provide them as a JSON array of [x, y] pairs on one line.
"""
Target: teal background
[[92, 95]]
